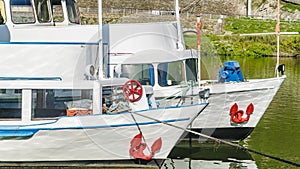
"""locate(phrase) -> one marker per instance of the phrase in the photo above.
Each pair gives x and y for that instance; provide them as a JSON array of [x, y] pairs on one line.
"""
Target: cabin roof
[[152, 56]]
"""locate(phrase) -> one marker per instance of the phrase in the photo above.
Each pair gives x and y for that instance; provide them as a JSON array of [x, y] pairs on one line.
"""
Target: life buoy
[[137, 148], [132, 90], [236, 115]]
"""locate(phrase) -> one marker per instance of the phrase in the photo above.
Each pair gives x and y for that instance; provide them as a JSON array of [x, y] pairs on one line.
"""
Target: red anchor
[[237, 115], [137, 147]]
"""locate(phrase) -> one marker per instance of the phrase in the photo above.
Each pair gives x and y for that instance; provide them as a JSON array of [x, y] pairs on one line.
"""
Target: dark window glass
[[22, 11], [42, 8], [10, 104]]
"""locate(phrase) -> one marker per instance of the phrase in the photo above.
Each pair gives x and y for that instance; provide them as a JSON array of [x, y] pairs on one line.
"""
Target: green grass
[[250, 46], [246, 25]]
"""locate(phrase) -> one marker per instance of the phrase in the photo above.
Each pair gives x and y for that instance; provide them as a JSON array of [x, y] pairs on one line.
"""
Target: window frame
[[145, 74], [32, 12], [37, 11], [163, 79], [74, 11], [3, 12]]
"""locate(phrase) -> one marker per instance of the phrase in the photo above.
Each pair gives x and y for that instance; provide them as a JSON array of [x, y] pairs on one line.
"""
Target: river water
[[277, 133]]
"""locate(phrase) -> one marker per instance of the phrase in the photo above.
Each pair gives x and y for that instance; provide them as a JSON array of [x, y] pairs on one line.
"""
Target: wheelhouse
[[168, 73], [42, 12]]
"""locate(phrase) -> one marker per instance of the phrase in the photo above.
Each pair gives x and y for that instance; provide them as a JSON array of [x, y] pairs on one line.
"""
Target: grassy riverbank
[[233, 44], [249, 25], [256, 46]]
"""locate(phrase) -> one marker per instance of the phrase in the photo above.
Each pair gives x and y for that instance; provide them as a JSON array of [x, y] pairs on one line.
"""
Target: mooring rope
[[140, 130], [222, 141]]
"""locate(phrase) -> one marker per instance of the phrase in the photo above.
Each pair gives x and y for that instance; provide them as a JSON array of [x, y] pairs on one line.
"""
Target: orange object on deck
[[74, 112]]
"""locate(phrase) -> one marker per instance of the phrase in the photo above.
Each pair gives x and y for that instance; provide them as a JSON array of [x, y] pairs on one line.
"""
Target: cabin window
[[52, 103], [22, 11], [2, 12], [113, 100], [191, 69], [10, 105], [144, 73], [170, 74], [73, 11], [42, 8], [57, 11]]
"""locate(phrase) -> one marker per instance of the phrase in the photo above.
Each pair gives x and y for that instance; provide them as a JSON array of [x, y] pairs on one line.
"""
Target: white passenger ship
[[57, 102]]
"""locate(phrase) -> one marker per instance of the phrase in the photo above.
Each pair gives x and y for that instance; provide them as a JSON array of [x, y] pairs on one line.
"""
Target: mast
[[97, 89], [199, 47], [278, 35], [100, 47]]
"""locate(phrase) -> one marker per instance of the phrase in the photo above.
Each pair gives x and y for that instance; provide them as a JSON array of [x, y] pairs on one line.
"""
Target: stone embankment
[[269, 8], [115, 11]]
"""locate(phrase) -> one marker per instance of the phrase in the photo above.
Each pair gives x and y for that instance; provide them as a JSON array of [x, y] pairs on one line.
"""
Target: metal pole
[[278, 35], [179, 41], [199, 49], [97, 98], [100, 47], [249, 4]]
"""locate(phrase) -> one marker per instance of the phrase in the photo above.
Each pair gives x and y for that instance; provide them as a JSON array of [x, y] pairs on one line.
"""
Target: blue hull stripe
[[31, 78], [19, 132]]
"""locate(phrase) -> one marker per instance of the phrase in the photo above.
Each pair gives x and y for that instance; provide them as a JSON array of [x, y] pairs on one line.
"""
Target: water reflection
[[208, 155], [276, 134]]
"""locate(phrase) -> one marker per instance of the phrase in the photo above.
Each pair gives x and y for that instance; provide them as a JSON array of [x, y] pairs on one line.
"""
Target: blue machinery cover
[[230, 72]]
